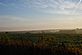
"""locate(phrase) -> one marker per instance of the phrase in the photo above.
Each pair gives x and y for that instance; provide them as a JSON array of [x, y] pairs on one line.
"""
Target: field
[[13, 43]]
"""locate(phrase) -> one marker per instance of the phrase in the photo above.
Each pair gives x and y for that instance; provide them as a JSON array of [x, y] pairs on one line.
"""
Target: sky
[[18, 15]]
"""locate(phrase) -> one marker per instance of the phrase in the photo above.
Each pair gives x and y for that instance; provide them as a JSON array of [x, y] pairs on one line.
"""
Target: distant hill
[[64, 31]]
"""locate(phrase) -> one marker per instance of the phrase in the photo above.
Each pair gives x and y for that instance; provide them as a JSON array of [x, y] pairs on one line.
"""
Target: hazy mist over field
[[40, 14]]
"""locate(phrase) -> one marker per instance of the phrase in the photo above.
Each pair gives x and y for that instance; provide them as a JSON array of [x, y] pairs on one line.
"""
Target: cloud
[[48, 6], [56, 6], [2, 4], [78, 6]]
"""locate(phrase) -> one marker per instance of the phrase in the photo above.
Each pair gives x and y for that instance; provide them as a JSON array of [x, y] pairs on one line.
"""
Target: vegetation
[[40, 43]]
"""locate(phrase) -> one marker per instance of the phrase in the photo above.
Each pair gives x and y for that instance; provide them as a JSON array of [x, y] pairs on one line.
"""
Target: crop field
[[13, 43]]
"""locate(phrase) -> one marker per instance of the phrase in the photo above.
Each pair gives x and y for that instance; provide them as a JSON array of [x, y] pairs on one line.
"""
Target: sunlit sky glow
[[40, 14]]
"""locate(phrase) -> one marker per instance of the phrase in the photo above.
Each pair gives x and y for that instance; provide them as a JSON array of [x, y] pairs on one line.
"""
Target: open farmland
[[40, 43]]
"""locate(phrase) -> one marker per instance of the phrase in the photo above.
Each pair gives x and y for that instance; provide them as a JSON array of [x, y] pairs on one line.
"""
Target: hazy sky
[[40, 14]]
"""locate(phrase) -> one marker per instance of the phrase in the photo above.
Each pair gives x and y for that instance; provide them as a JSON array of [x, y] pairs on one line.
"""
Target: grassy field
[[40, 43]]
